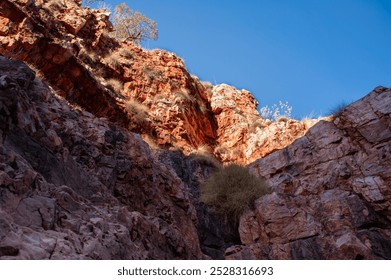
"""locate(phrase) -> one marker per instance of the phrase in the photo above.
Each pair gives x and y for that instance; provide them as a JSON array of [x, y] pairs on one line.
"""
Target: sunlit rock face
[[242, 135], [149, 92]]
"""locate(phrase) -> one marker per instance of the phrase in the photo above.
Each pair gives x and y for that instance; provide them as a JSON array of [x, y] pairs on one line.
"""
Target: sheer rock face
[[73, 186], [148, 92], [332, 194]]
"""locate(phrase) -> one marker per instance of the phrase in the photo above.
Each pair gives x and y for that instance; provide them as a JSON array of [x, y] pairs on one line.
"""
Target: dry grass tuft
[[112, 61], [138, 111], [257, 124], [37, 71], [207, 85], [185, 96], [115, 85], [208, 88], [204, 156], [206, 159], [88, 56], [282, 119], [153, 74], [338, 110], [126, 53]]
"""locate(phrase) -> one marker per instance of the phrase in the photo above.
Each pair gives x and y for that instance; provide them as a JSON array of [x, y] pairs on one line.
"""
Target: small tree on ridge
[[133, 25]]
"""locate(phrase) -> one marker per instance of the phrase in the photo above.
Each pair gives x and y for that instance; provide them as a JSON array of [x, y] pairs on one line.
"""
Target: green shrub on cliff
[[230, 191]]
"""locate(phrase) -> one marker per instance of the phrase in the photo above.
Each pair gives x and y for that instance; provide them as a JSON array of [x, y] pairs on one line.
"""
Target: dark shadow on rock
[[214, 240]]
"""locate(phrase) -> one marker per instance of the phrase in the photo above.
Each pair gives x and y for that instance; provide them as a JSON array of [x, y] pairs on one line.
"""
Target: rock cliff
[[331, 191], [104, 145], [75, 186], [242, 136], [148, 92]]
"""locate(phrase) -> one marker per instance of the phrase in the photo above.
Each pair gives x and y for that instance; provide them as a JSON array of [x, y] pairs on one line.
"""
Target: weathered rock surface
[[148, 92], [332, 191], [73, 186], [242, 135], [76, 184], [71, 47]]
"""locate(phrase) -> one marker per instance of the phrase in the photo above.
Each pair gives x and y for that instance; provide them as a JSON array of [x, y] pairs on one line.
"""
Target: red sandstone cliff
[[242, 136], [148, 92], [78, 181]]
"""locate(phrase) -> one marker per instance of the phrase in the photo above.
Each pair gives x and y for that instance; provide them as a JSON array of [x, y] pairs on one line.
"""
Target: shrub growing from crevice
[[126, 53], [129, 25], [229, 192], [133, 25]]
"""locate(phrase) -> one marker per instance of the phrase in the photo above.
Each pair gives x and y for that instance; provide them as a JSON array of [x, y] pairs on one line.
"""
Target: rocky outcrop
[[86, 164], [148, 92], [75, 183], [331, 191], [242, 135], [44, 34], [74, 186]]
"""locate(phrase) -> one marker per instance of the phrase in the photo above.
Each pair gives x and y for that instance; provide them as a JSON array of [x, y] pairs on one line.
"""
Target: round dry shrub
[[230, 191]]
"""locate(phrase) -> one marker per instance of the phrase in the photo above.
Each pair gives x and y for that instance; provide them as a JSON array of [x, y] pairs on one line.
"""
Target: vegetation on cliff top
[[130, 25]]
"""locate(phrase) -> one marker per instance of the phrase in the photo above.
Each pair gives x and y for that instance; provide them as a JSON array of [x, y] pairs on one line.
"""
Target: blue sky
[[314, 54]]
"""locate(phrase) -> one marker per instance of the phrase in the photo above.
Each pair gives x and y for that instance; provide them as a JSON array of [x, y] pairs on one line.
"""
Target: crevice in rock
[[52, 251], [214, 237]]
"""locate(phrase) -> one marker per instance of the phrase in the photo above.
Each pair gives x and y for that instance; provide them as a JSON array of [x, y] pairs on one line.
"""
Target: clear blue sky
[[315, 54]]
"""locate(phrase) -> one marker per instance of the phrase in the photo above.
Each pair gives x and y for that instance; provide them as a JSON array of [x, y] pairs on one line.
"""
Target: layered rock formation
[[331, 191], [74, 186], [148, 92]]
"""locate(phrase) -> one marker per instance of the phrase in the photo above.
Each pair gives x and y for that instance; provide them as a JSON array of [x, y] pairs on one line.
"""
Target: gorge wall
[[331, 191], [74, 186], [103, 147], [147, 92]]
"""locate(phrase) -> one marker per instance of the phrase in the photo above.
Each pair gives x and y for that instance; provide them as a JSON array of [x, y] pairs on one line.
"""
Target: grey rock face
[[331, 191], [74, 186]]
